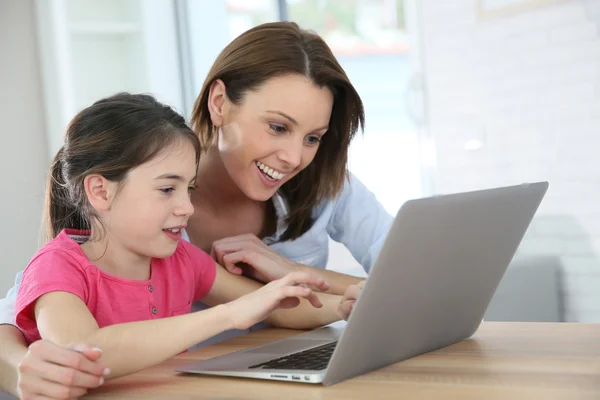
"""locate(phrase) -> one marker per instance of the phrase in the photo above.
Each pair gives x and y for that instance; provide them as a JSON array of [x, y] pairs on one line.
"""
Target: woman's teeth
[[275, 175], [174, 230]]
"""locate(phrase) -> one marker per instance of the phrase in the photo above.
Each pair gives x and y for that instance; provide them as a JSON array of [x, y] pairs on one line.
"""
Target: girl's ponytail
[[60, 210]]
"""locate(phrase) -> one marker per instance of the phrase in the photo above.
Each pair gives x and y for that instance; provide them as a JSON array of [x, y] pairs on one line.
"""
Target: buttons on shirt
[[154, 310], [150, 288]]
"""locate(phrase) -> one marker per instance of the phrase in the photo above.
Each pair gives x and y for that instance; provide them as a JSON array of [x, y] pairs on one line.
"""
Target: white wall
[[527, 87], [23, 155]]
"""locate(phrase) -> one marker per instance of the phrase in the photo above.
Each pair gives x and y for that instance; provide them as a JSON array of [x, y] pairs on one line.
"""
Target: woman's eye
[[313, 140], [167, 190], [191, 189], [278, 128]]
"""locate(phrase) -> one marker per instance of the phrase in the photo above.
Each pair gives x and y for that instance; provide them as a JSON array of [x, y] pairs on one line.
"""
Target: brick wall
[[522, 91]]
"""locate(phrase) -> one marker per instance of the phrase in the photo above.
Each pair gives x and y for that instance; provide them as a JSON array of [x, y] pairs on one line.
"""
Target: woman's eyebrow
[[293, 121]]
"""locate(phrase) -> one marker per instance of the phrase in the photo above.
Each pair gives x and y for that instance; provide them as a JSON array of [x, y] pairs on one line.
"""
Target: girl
[[116, 275]]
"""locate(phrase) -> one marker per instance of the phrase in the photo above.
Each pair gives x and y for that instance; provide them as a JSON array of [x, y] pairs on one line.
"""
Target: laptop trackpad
[[288, 346]]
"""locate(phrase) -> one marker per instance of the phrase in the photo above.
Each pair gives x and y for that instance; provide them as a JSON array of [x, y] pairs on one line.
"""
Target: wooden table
[[503, 360]]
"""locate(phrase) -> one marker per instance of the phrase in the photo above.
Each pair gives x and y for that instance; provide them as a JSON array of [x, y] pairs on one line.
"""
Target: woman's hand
[[281, 293], [348, 299], [52, 371], [248, 255]]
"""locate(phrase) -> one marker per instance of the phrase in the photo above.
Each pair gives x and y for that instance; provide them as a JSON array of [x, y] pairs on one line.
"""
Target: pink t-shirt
[[61, 265]]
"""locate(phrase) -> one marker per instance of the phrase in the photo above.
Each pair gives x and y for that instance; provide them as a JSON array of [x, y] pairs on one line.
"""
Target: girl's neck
[[111, 257], [215, 187]]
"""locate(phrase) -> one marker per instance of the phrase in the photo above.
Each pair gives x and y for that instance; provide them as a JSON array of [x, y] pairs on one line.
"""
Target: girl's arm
[[129, 347], [63, 318], [228, 287]]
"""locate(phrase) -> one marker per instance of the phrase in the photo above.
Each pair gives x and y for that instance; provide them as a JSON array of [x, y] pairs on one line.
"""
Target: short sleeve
[[51, 271], [204, 267]]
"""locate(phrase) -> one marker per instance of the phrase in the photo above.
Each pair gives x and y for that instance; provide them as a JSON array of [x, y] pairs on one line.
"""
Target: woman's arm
[[12, 350], [266, 264], [45, 369], [12, 343], [338, 282], [129, 347]]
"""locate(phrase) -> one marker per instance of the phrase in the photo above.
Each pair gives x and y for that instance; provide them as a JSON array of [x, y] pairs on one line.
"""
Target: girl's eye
[[167, 191], [313, 140], [191, 189], [278, 128]]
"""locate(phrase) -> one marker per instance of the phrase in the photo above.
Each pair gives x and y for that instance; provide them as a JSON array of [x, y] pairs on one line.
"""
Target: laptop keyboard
[[316, 358]]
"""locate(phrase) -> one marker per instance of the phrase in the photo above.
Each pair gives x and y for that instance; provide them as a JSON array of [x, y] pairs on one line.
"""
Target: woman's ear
[[99, 191], [217, 102]]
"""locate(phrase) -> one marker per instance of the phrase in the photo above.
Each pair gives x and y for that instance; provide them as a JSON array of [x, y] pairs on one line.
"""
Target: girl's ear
[[99, 191], [217, 102]]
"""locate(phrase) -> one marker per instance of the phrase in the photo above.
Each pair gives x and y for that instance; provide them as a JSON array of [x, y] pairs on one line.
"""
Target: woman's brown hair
[[282, 48], [109, 138]]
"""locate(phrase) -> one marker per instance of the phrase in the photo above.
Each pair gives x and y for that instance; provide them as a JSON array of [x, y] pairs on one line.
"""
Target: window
[[371, 41]]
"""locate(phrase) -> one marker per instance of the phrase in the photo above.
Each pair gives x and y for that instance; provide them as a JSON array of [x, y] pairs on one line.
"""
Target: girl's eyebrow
[[175, 177], [171, 176]]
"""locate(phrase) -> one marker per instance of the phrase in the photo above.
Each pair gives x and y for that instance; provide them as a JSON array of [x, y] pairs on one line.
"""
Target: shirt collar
[[281, 212]]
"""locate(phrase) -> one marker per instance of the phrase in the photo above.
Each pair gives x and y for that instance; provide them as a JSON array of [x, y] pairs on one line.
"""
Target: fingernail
[[106, 371], [79, 347], [101, 382], [97, 349]]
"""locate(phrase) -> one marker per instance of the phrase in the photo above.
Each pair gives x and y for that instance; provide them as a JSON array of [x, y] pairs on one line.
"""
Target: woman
[[275, 116]]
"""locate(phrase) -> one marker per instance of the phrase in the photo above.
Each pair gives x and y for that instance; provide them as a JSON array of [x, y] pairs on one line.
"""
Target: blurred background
[[459, 95]]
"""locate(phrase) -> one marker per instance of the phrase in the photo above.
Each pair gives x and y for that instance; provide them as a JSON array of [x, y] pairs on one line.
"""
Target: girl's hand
[[282, 293], [247, 254], [347, 303], [52, 371]]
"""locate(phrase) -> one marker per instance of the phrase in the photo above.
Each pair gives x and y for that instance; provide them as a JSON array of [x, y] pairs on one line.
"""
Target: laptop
[[435, 275]]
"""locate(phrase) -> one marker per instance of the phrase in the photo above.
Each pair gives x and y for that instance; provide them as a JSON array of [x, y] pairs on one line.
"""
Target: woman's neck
[[111, 257], [215, 188]]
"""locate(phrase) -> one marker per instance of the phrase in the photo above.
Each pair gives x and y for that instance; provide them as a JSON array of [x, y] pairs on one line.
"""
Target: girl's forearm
[[13, 349], [229, 287], [305, 316], [130, 347]]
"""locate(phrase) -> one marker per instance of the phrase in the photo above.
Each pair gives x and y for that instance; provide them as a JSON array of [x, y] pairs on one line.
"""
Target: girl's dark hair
[[109, 138], [276, 49]]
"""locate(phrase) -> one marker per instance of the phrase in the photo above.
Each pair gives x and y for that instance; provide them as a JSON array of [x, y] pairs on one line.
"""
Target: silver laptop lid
[[435, 276]]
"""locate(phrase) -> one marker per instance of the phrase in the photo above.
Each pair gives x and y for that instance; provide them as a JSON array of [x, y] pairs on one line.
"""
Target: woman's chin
[[260, 194]]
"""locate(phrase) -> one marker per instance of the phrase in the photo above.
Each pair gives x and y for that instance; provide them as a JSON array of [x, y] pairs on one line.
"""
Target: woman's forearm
[[13, 349], [338, 282]]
